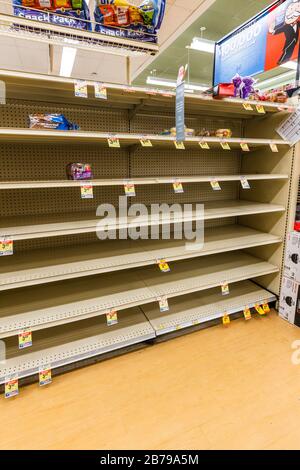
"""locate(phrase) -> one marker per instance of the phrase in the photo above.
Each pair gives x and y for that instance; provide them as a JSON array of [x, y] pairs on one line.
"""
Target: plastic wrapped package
[[51, 121], [79, 171], [72, 13], [120, 18]]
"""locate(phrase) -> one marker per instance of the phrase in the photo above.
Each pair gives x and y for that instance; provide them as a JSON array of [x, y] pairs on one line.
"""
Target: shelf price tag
[[260, 109], [80, 88], [226, 319], [225, 146], [245, 183], [204, 145], [245, 147], [274, 148], [266, 307], [11, 387], [247, 107], [112, 318], [163, 266], [100, 91], [25, 339], [163, 304], [145, 142], [259, 310], [247, 314], [86, 191], [129, 189], [178, 188], [179, 145], [6, 247], [113, 142], [45, 375], [225, 288], [215, 185]]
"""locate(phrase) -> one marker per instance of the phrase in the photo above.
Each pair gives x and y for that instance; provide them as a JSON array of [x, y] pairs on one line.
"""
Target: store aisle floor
[[220, 388]]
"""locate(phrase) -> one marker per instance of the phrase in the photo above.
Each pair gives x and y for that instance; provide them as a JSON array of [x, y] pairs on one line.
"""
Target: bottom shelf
[[74, 342], [71, 343], [204, 306]]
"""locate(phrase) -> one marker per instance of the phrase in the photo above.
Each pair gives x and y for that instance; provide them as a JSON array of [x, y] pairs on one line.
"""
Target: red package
[[224, 90], [109, 17]]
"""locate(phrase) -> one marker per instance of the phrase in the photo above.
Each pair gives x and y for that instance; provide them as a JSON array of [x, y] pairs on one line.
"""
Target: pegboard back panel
[[15, 114], [156, 123], [32, 162], [172, 162], [83, 239]]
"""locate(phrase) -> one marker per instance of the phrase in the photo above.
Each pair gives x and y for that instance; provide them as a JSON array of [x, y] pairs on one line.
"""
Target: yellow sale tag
[[260, 109], [226, 319], [87, 191], [163, 266], [179, 145], [100, 91], [215, 185], [225, 288], [178, 188], [146, 142], [259, 309], [25, 339], [204, 145], [274, 148], [81, 90], [266, 308], [247, 107], [113, 142], [163, 304], [247, 313], [11, 387], [245, 147], [225, 146], [129, 189], [45, 376], [6, 247], [112, 318]]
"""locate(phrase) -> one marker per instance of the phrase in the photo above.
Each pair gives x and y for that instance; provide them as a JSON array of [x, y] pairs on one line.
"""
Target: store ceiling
[[182, 22]]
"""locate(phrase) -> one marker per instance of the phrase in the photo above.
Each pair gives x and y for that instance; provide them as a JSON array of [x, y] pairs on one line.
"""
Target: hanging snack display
[[124, 20], [72, 13], [56, 122]]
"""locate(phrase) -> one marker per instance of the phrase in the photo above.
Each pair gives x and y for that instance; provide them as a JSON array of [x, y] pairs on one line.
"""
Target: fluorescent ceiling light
[[282, 79], [290, 65], [67, 61], [68, 56], [169, 84], [203, 45]]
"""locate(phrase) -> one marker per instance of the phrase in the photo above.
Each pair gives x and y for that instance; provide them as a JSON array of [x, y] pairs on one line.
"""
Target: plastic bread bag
[[51, 121], [72, 13], [124, 19]]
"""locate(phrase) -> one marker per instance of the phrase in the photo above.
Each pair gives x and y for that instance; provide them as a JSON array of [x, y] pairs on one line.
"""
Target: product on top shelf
[[79, 171], [73, 13], [123, 19], [172, 132], [243, 86], [220, 133], [224, 90], [51, 121]]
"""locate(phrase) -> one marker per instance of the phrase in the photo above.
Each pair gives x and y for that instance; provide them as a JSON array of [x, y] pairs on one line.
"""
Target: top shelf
[[22, 86]]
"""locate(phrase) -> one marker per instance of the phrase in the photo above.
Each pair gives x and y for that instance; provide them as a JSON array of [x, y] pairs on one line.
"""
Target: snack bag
[[72, 13], [51, 121], [124, 19], [79, 171]]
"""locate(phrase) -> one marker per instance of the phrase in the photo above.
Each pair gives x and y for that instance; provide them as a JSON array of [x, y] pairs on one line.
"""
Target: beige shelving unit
[[62, 280]]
